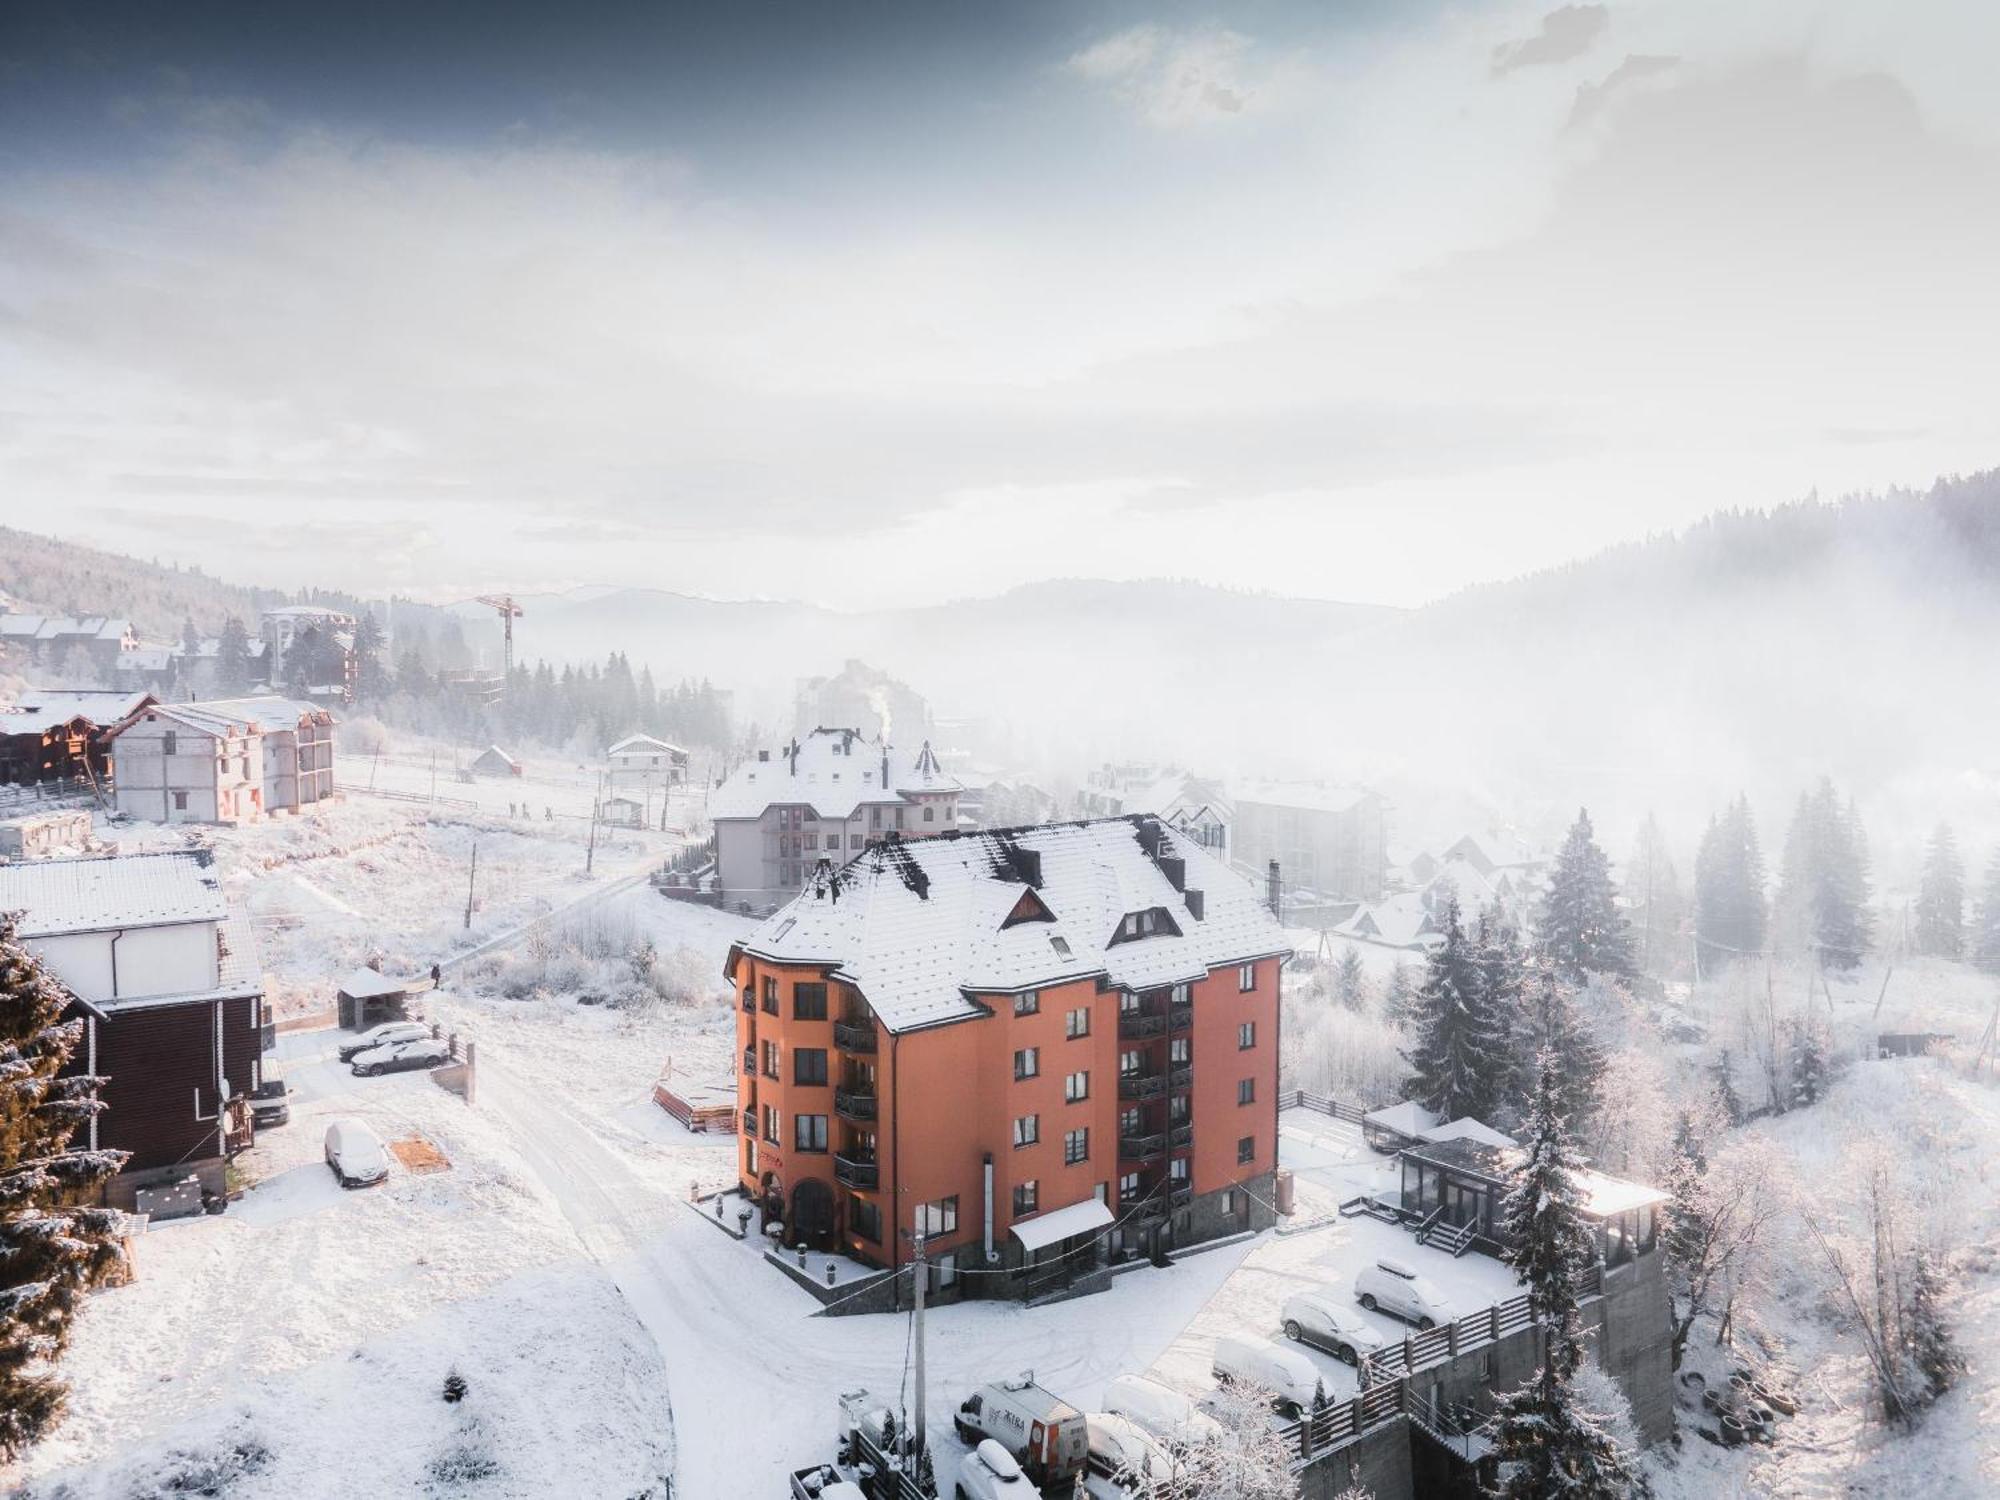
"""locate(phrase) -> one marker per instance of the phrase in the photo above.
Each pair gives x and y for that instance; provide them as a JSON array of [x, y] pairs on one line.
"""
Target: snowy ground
[[564, 789]]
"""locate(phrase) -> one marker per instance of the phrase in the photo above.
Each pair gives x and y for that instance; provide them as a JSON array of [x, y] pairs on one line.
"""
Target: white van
[[1161, 1410], [1392, 1287], [1291, 1378]]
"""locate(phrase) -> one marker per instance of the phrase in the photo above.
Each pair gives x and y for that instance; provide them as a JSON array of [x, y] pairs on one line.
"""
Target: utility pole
[[471, 876], [590, 852], [922, 1274]]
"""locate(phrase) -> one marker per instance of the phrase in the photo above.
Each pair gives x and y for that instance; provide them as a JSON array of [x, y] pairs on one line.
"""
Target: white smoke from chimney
[[878, 700]]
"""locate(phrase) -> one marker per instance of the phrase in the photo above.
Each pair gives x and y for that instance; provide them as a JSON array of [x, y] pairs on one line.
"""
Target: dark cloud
[[1565, 34]]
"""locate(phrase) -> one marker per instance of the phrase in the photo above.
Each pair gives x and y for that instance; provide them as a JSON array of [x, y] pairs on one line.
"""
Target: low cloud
[[1565, 34], [1180, 78]]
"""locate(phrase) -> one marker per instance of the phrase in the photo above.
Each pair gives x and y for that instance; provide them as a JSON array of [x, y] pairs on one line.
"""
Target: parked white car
[[1161, 1410], [384, 1035], [1392, 1287], [1291, 1378], [1327, 1323], [989, 1472], [355, 1153], [1123, 1451]]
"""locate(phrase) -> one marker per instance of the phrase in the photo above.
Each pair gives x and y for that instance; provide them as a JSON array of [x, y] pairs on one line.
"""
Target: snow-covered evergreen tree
[[1399, 995], [1729, 908], [1565, 1035], [1503, 972], [1657, 911], [1811, 1060], [1822, 906], [1548, 1443], [1941, 898], [1728, 1103], [1350, 981], [1932, 1348], [1580, 926], [53, 1248], [1985, 945], [1458, 1056]]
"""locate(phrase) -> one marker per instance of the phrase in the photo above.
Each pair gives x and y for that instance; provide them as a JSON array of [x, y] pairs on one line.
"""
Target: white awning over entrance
[[1061, 1223]]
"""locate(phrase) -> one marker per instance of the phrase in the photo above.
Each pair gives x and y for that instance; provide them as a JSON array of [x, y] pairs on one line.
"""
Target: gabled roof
[[645, 743], [1306, 796], [59, 896], [496, 751], [1399, 921], [38, 709], [920, 927], [832, 771], [226, 716]]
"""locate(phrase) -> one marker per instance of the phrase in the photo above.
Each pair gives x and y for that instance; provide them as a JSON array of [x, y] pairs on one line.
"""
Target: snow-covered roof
[[37, 709], [1309, 796], [1061, 1223], [644, 744], [1408, 1118], [267, 715], [371, 984], [145, 659], [832, 771], [1465, 1128], [919, 926], [495, 750], [306, 612], [1605, 1196], [64, 627], [58, 896], [1398, 921]]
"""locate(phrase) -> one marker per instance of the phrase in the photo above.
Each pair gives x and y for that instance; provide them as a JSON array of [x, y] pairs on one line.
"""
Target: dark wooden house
[[168, 985]]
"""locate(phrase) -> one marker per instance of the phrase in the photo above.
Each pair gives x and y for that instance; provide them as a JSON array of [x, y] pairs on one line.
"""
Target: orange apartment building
[[1046, 1049]]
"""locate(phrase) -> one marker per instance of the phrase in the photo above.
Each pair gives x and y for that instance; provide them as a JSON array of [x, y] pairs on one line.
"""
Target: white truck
[[1047, 1436]]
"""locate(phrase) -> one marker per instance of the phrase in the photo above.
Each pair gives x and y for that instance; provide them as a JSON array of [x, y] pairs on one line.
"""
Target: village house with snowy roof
[[1043, 1048], [166, 981], [229, 760], [822, 795]]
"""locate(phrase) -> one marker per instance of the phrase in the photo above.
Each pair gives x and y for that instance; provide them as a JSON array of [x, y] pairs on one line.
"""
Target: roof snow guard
[[922, 928]]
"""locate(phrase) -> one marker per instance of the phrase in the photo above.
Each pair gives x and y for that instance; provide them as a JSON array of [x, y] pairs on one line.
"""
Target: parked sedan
[[1327, 1323], [401, 1057], [382, 1036], [355, 1154]]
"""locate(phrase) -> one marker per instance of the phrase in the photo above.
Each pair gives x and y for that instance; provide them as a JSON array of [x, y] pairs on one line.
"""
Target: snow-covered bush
[[362, 736]]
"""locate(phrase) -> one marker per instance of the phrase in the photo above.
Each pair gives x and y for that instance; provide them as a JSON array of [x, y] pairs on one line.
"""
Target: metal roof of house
[[1060, 1223], [645, 742], [58, 896], [833, 771], [918, 926]]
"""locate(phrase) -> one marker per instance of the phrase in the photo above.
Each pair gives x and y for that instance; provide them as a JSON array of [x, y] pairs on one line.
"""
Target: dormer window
[[1029, 908], [1152, 922]]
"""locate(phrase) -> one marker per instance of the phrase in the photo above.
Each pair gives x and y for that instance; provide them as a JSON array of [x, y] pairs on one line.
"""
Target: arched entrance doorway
[[811, 1220]]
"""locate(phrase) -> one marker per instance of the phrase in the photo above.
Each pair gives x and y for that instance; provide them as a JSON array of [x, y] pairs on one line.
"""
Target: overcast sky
[[898, 302]]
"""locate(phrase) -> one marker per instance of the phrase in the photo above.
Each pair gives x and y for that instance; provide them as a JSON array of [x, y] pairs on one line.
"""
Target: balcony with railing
[[1141, 1085], [857, 1171], [1137, 1025], [1141, 1148], [854, 1036], [749, 1122], [1180, 1017], [1181, 1138], [1181, 1079], [749, 1061], [854, 1104]]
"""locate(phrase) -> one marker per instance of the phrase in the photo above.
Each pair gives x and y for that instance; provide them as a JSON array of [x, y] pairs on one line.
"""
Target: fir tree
[[1548, 1445], [1941, 898], [1729, 914], [1502, 969], [1728, 1103], [1350, 982], [1399, 995], [1931, 1345], [1822, 904], [1985, 945], [1564, 1035], [232, 657], [1581, 928], [53, 1248], [1655, 893], [1811, 1065], [1458, 1060], [371, 674]]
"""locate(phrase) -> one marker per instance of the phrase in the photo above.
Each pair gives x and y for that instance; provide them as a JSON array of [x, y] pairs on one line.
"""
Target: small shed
[[493, 761], [368, 997], [1390, 1130], [706, 1106], [621, 812]]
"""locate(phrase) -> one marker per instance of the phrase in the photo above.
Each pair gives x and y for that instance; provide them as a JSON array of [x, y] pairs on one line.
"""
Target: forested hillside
[[46, 576]]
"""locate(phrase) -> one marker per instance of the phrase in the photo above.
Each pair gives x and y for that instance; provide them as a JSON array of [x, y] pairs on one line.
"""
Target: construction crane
[[509, 612]]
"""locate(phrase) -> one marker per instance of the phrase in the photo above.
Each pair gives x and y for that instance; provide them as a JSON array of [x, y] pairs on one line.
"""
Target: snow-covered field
[[299, 1344]]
